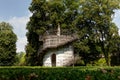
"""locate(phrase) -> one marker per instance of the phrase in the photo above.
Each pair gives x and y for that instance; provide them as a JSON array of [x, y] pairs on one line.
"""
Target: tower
[[57, 49]]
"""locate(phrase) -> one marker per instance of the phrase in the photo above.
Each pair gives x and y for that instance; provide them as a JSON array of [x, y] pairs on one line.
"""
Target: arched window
[[53, 59]]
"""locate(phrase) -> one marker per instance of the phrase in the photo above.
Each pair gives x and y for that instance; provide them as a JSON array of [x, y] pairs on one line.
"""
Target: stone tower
[[57, 49]]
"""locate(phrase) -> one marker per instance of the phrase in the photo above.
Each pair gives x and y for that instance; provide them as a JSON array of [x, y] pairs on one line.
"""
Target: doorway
[[53, 59]]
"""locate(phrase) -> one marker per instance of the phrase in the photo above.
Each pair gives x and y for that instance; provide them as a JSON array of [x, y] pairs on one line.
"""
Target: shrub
[[101, 62], [63, 73]]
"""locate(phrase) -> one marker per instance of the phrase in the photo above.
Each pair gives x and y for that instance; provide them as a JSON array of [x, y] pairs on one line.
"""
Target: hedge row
[[68, 73]]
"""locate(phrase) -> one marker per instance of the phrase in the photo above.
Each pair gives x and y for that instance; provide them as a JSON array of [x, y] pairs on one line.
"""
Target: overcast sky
[[17, 14]]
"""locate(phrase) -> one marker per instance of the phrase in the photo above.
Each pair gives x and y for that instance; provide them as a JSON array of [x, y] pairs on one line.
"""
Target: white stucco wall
[[64, 57]]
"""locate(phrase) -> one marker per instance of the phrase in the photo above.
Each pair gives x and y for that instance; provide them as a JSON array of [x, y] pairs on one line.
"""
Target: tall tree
[[47, 15], [7, 44], [96, 22], [115, 56]]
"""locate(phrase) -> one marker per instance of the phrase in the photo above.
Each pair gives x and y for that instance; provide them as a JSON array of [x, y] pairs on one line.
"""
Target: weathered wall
[[64, 57]]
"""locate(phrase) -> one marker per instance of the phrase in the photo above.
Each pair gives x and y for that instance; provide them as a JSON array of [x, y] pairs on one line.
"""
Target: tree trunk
[[106, 54], [108, 59]]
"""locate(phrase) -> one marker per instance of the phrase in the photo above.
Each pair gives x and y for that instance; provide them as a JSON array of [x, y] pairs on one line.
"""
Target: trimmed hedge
[[60, 73]]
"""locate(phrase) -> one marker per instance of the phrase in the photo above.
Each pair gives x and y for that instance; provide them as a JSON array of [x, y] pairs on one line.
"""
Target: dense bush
[[68, 73]]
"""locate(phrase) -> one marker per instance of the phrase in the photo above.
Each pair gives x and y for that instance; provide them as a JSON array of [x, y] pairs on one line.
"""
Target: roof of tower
[[55, 41]]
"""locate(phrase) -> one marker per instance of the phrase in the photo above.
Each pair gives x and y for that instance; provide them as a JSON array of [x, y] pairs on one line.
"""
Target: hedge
[[60, 73]]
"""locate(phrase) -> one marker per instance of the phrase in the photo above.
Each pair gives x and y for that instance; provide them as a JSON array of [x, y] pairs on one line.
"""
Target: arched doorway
[[53, 59]]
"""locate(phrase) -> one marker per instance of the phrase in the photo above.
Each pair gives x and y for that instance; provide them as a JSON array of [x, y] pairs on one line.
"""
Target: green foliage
[[91, 20], [7, 44], [97, 29], [47, 15], [100, 62], [20, 59], [76, 73]]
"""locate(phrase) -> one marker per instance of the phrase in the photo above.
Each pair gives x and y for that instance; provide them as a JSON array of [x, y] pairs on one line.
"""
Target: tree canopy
[[90, 19], [96, 18], [7, 44]]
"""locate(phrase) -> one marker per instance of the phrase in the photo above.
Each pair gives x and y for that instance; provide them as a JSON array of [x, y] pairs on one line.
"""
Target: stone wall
[[64, 57]]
